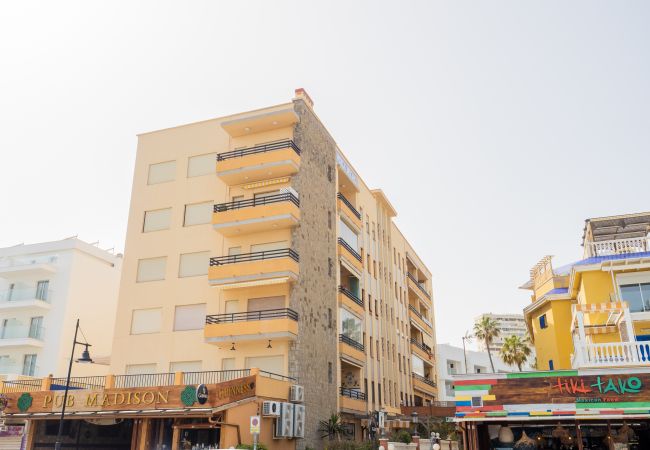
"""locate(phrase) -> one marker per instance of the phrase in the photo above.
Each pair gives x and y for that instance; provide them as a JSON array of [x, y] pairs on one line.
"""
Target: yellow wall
[[553, 342]]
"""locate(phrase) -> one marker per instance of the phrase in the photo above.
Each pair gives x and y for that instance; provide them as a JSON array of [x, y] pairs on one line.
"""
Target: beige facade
[[279, 258]]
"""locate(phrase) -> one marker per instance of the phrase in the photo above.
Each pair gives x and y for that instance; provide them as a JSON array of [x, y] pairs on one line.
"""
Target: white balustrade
[[614, 354], [617, 247]]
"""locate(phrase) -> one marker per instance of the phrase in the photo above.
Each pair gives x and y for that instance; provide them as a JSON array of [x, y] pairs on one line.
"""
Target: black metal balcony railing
[[352, 393], [351, 342], [423, 379], [259, 149], [417, 313], [421, 345], [214, 376], [144, 380], [247, 316], [259, 201], [351, 296], [417, 283], [347, 246], [276, 376], [347, 203], [92, 382], [255, 256]]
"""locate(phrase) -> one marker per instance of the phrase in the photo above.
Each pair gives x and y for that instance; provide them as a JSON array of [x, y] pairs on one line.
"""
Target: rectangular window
[[348, 235], [193, 264], [264, 303], [542, 321], [36, 327], [551, 366], [418, 365], [189, 317], [185, 366], [267, 246], [350, 325], [157, 220], [140, 369], [274, 364], [42, 289], [198, 214], [201, 165], [145, 321], [151, 269], [232, 306], [162, 172], [228, 364], [637, 295], [29, 365]]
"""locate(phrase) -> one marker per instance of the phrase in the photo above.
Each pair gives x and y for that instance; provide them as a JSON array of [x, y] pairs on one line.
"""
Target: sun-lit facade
[[595, 312]]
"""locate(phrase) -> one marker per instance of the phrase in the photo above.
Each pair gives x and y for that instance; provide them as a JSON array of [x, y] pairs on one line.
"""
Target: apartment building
[[452, 360], [44, 289], [595, 312], [509, 324], [280, 259]]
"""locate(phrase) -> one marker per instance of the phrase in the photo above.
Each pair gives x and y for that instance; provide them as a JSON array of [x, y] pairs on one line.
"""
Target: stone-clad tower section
[[313, 355]]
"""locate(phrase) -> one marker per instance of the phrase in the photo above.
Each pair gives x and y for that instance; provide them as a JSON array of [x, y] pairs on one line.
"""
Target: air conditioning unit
[[299, 421], [297, 394], [284, 423], [271, 409]]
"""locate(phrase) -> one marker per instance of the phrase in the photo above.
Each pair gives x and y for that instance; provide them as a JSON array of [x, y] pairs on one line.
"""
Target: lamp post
[[414, 419], [467, 337], [85, 358]]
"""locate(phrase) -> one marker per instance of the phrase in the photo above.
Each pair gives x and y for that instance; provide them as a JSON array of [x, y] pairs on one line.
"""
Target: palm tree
[[332, 427], [515, 351], [487, 330]]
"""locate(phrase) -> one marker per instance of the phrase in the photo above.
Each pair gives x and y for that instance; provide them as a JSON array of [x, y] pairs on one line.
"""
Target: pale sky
[[494, 127]]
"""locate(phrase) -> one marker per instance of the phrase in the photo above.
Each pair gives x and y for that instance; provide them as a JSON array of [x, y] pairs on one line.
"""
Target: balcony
[[423, 384], [421, 349], [14, 299], [28, 267], [350, 254], [346, 208], [352, 349], [352, 399], [274, 160], [617, 247], [419, 319], [417, 287], [257, 214], [257, 267], [281, 323], [349, 299], [611, 354], [21, 336]]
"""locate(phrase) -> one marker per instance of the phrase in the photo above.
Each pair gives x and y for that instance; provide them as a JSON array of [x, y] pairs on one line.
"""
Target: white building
[[509, 324], [44, 288], [451, 361]]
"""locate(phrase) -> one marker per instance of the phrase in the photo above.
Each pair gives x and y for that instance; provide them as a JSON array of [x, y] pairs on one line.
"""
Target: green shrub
[[401, 436], [260, 446]]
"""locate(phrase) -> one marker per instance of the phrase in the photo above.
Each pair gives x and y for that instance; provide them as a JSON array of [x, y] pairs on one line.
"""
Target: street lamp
[[468, 338], [414, 419], [85, 358]]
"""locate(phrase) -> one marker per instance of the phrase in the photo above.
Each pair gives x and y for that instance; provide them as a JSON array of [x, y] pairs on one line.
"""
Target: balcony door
[[35, 327], [41, 289], [29, 365]]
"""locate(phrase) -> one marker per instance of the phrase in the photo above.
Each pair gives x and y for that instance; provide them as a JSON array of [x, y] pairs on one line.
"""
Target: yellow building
[[278, 258], [595, 312]]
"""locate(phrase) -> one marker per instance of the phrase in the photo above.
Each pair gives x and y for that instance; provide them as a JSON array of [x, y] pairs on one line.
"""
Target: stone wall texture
[[314, 294]]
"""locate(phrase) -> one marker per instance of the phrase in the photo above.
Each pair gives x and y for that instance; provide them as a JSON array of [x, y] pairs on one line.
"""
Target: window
[[418, 365], [330, 373], [36, 327], [198, 214], [201, 165], [329, 173], [157, 220], [228, 364], [29, 365], [542, 321], [637, 295], [551, 366], [274, 364], [140, 369], [232, 251], [193, 264], [145, 321], [151, 269], [232, 306], [185, 366], [264, 303], [189, 317], [162, 172], [350, 325], [42, 288], [267, 246], [349, 235]]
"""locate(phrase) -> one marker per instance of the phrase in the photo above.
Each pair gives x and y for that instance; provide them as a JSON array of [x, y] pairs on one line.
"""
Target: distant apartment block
[[44, 288]]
